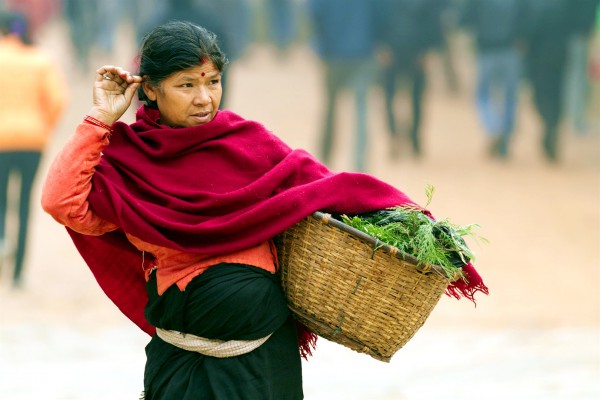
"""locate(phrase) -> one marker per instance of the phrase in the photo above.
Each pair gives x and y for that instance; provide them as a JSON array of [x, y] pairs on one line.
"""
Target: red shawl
[[210, 189]]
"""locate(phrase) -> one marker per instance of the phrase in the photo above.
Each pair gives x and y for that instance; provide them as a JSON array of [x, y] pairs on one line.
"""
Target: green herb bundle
[[431, 242]]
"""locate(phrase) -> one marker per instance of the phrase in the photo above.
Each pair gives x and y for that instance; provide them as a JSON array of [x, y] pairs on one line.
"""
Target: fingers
[[114, 88], [116, 74], [131, 90]]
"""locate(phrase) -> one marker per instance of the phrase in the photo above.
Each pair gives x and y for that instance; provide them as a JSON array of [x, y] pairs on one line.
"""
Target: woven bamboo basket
[[349, 288]]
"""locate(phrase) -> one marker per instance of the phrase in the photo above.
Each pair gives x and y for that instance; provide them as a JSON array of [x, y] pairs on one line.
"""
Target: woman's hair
[[173, 47]]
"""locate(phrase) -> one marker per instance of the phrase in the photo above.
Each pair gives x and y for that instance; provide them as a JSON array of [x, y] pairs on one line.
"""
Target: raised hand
[[114, 89]]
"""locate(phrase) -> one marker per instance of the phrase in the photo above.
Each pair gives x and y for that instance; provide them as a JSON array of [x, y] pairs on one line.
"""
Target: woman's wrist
[[93, 121], [98, 115]]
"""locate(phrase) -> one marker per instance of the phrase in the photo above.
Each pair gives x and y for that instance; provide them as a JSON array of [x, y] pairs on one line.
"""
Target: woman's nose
[[202, 96]]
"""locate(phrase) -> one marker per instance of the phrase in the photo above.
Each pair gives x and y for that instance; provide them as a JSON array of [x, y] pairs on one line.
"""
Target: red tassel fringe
[[469, 286], [307, 340]]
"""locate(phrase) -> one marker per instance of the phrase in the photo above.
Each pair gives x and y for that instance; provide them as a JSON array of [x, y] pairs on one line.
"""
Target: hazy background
[[536, 336]]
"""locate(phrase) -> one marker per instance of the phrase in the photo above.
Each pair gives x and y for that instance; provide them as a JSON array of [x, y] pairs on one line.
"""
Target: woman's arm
[[69, 181]]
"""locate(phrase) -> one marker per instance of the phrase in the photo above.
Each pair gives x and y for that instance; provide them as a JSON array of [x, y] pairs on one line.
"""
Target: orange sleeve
[[69, 182]]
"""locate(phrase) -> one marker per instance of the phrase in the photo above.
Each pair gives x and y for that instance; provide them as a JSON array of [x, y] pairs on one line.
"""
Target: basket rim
[[376, 243]]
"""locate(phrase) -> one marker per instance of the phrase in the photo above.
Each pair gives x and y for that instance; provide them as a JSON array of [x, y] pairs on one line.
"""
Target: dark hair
[[15, 23], [173, 47]]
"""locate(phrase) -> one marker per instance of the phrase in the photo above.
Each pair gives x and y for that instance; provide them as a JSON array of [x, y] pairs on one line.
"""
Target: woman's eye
[[186, 85], [214, 81]]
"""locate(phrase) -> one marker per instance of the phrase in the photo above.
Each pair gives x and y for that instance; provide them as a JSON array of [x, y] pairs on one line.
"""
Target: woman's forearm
[[69, 181]]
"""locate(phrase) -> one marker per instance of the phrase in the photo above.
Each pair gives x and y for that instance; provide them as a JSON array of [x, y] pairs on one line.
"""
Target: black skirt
[[226, 302]]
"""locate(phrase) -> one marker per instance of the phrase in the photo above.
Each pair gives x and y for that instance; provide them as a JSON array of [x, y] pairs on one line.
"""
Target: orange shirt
[[32, 97], [64, 196]]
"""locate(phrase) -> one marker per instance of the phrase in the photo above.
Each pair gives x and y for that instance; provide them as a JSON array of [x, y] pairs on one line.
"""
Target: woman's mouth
[[202, 117]]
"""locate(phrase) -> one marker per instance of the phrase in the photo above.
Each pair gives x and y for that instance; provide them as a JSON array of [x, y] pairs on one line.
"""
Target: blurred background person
[[594, 72], [546, 57], [145, 15], [498, 27], [282, 25], [577, 83], [407, 30], [449, 13], [84, 29], [110, 13], [92, 26], [344, 40], [33, 98]]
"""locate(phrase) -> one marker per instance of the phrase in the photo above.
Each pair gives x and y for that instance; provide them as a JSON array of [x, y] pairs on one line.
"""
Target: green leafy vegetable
[[412, 232]]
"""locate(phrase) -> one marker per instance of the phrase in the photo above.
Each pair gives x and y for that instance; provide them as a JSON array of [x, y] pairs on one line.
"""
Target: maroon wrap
[[209, 189]]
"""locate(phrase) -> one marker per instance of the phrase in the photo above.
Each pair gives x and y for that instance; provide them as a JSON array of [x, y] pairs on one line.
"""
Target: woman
[[175, 218], [31, 105]]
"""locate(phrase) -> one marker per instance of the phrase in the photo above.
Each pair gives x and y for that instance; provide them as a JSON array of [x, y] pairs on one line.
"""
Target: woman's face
[[189, 97]]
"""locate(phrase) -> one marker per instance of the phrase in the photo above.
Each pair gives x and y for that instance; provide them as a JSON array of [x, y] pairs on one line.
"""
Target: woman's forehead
[[206, 68]]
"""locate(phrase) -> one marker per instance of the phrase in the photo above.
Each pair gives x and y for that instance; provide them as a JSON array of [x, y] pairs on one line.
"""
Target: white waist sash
[[210, 347]]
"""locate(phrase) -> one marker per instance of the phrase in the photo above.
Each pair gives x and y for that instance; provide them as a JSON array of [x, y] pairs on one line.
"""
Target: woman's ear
[[149, 90]]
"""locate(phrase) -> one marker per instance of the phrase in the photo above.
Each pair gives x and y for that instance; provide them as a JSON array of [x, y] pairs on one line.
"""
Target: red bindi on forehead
[[204, 60]]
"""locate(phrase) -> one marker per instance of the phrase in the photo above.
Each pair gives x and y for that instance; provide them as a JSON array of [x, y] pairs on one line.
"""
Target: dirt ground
[[536, 336]]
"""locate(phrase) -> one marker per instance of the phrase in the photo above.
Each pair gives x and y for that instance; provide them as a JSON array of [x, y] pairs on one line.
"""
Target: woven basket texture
[[351, 292]]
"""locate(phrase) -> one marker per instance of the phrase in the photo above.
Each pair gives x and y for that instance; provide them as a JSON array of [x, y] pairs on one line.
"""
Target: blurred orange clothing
[[32, 97]]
